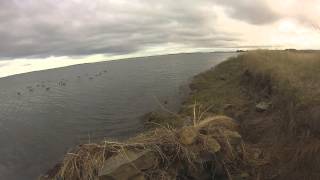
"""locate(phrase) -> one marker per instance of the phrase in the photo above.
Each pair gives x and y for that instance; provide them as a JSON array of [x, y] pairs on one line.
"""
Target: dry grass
[[289, 131], [173, 157], [291, 81], [289, 70], [85, 161]]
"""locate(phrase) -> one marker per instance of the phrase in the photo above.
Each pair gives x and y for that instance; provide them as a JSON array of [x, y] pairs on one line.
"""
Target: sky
[[43, 34]]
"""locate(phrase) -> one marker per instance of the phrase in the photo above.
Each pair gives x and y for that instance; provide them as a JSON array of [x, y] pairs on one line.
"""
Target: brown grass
[[85, 161], [289, 131], [291, 80]]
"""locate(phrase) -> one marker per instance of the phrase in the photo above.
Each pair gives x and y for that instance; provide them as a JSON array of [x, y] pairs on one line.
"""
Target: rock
[[126, 165], [214, 122], [188, 135], [262, 106]]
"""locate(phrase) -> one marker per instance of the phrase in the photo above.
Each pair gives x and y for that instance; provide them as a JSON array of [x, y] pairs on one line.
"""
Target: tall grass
[[299, 69], [291, 81], [289, 131]]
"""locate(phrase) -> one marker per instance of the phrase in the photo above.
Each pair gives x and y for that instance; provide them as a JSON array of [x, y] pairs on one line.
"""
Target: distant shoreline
[[22, 64]]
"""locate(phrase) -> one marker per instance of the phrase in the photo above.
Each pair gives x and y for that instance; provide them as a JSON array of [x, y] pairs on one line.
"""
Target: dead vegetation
[[288, 131], [290, 80], [206, 149]]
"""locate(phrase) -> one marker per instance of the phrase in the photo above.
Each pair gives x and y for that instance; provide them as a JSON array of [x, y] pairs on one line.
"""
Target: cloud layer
[[42, 28]]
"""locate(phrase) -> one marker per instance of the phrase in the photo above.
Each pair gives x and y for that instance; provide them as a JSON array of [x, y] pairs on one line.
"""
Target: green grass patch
[[219, 89]]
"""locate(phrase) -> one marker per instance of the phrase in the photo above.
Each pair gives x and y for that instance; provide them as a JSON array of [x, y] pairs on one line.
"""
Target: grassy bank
[[273, 96], [288, 131]]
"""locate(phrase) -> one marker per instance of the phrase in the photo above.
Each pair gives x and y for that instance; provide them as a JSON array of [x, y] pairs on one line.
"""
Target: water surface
[[44, 114]]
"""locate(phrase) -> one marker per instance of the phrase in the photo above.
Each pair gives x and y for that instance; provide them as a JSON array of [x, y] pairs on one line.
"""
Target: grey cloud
[[41, 28], [251, 11]]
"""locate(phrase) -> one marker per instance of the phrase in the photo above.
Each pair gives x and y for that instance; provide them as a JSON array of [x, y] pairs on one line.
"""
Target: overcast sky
[[71, 29]]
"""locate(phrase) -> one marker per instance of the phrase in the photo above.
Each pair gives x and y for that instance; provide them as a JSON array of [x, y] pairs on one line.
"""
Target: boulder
[[188, 135], [262, 106], [127, 165]]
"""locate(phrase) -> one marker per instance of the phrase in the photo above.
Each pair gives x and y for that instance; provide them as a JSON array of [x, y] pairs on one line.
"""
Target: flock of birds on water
[[62, 82]]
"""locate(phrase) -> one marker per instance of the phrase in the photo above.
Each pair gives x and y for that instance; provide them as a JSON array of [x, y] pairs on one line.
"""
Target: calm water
[[44, 114]]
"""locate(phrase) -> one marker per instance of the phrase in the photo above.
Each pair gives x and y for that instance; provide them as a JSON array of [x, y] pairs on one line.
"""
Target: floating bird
[[48, 88], [61, 83], [19, 93]]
